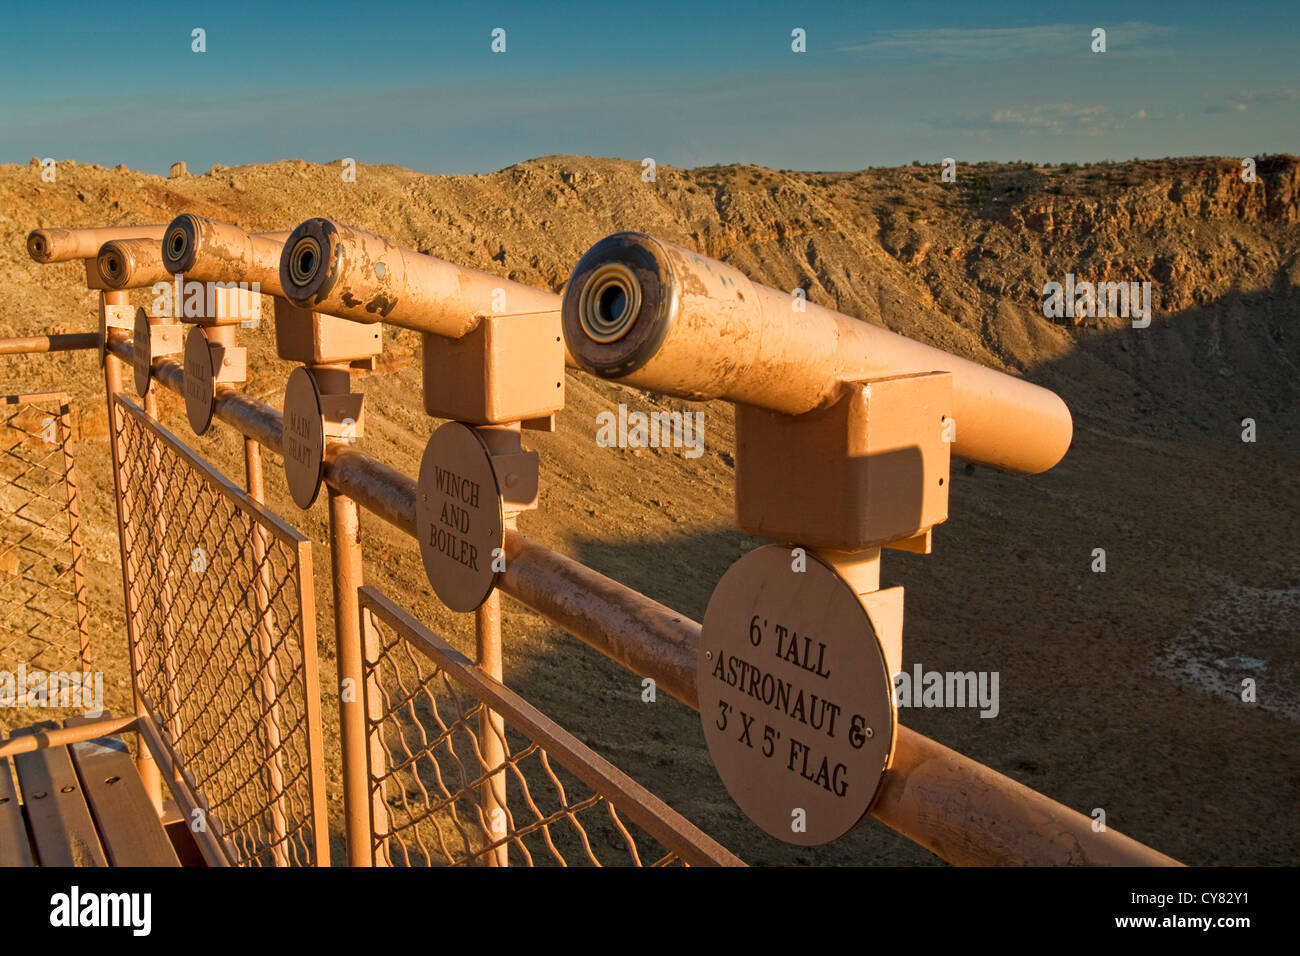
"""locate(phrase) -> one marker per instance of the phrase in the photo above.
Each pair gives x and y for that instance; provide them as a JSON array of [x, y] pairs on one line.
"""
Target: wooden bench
[[83, 804]]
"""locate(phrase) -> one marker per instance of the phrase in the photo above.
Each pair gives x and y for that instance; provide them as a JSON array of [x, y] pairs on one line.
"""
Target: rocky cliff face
[[962, 265], [1191, 517]]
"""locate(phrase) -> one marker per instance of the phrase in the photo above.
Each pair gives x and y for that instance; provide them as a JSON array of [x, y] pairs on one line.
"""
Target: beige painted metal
[[327, 267], [200, 381], [62, 245], [318, 405], [45, 624], [999, 823], [224, 753], [868, 470], [662, 317], [269, 667], [460, 516], [965, 812], [145, 764], [115, 312], [547, 815], [313, 338], [211, 359], [131, 264], [492, 725], [166, 596], [508, 368], [216, 849], [796, 698], [304, 438], [345, 560], [43, 737], [58, 342], [210, 251], [153, 338], [971, 815]]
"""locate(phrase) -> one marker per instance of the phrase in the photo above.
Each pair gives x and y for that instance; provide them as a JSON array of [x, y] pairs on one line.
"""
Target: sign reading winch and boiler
[[844, 435], [493, 363]]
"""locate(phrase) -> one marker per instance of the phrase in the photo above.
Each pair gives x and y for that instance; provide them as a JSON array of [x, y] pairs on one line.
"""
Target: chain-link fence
[[223, 645], [463, 770], [42, 587]]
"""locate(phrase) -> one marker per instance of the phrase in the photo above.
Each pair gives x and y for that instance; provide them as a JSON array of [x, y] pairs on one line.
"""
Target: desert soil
[[1118, 690]]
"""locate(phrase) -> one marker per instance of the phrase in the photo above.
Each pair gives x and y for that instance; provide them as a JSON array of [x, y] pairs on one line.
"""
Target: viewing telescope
[[655, 315], [61, 245], [211, 251], [131, 264], [357, 275]]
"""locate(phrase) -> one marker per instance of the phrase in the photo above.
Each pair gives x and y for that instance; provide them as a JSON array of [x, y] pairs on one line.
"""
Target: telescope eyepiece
[[110, 264], [609, 303], [309, 265], [181, 241], [619, 304], [304, 260]]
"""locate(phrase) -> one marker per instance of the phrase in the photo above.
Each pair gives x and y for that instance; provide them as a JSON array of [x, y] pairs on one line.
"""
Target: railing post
[[74, 536], [145, 764], [269, 668], [492, 726], [173, 725], [345, 558]]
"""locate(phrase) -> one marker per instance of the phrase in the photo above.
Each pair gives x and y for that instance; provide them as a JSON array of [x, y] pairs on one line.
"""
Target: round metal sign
[[142, 353], [200, 381], [458, 515], [304, 437], [796, 699], [103, 331]]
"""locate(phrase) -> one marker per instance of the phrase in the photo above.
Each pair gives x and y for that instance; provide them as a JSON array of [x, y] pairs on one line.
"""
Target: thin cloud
[[1044, 119], [1002, 43], [1240, 102], [1055, 118]]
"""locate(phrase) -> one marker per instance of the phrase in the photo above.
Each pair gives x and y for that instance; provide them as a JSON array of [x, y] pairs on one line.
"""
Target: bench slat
[[129, 827], [14, 850], [62, 829]]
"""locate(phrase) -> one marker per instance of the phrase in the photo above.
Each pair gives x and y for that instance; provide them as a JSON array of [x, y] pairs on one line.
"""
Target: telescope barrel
[[131, 263], [210, 251], [357, 275], [664, 318], [61, 245]]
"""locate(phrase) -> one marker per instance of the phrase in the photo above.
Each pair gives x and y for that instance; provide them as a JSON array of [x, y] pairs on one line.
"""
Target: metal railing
[[42, 584], [441, 763], [223, 646], [549, 798], [956, 807]]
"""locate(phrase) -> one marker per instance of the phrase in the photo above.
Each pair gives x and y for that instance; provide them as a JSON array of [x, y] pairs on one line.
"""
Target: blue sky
[[688, 84]]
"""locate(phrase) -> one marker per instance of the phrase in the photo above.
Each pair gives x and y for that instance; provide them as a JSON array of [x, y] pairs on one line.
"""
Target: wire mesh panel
[[222, 628], [549, 800], [42, 589]]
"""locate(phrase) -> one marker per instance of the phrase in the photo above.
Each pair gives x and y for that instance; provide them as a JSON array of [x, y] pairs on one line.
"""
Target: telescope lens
[[304, 260], [609, 303], [612, 303]]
